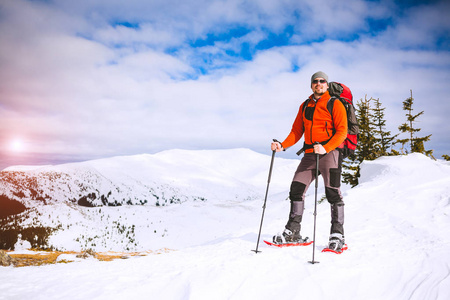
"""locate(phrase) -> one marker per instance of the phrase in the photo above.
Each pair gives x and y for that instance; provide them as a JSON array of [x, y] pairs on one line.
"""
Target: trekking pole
[[315, 207], [265, 199]]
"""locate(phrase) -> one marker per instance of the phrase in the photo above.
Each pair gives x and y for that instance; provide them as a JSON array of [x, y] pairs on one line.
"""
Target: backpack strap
[[308, 146], [330, 106], [305, 104], [305, 146]]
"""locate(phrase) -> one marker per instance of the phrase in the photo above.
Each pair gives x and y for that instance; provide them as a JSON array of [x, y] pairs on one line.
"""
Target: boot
[[289, 237], [336, 242]]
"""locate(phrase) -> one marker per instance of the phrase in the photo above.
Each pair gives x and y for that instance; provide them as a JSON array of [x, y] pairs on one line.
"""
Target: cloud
[[145, 34], [420, 27], [100, 78]]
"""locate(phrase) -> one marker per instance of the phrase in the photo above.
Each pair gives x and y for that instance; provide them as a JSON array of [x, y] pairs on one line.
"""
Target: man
[[323, 133]]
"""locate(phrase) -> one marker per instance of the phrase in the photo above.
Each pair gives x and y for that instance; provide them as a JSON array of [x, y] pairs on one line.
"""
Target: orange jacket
[[320, 128]]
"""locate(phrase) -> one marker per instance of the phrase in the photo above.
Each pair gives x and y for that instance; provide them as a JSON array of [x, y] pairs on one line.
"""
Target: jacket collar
[[325, 97]]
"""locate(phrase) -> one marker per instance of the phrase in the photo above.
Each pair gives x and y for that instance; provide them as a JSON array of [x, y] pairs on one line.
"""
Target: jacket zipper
[[312, 121]]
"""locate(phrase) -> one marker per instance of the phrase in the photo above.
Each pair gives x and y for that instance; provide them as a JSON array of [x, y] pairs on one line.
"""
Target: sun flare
[[17, 145]]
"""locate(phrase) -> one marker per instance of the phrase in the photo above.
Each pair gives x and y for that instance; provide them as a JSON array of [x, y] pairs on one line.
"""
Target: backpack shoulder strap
[[305, 104], [330, 105]]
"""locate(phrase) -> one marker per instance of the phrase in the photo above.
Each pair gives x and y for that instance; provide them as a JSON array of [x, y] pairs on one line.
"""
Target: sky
[[81, 80]]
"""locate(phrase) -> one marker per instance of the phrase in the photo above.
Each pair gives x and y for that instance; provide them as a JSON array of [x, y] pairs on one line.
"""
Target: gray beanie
[[319, 74]]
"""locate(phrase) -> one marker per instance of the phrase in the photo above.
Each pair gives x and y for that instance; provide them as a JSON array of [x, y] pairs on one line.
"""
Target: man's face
[[319, 86]]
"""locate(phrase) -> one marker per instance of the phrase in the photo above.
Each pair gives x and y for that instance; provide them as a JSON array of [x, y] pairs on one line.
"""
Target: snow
[[397, 229]]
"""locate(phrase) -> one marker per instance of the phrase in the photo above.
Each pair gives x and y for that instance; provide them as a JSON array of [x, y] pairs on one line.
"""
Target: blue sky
[[89, 79]]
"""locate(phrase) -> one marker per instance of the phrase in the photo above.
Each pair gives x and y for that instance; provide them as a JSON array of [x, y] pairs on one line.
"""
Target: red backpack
[[343, 93]]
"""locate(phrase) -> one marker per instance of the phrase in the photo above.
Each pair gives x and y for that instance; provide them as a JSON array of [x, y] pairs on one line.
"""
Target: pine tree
[[353, 172], [416, 143], [366, 143], [366, 149], [384, 140]]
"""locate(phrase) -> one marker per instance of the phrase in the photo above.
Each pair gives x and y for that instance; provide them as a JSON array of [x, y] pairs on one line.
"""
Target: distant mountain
[[168, 177], [162, 179]]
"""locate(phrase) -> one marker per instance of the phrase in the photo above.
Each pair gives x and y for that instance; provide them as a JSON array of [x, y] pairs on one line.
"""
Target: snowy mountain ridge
[[168, 177], [147, 181]]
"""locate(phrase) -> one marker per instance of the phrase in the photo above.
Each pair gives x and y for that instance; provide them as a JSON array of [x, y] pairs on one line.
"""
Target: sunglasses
[[316, 81]]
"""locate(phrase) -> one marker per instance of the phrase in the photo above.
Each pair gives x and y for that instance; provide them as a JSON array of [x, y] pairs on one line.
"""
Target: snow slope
[[197, 180], [397, 228]]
